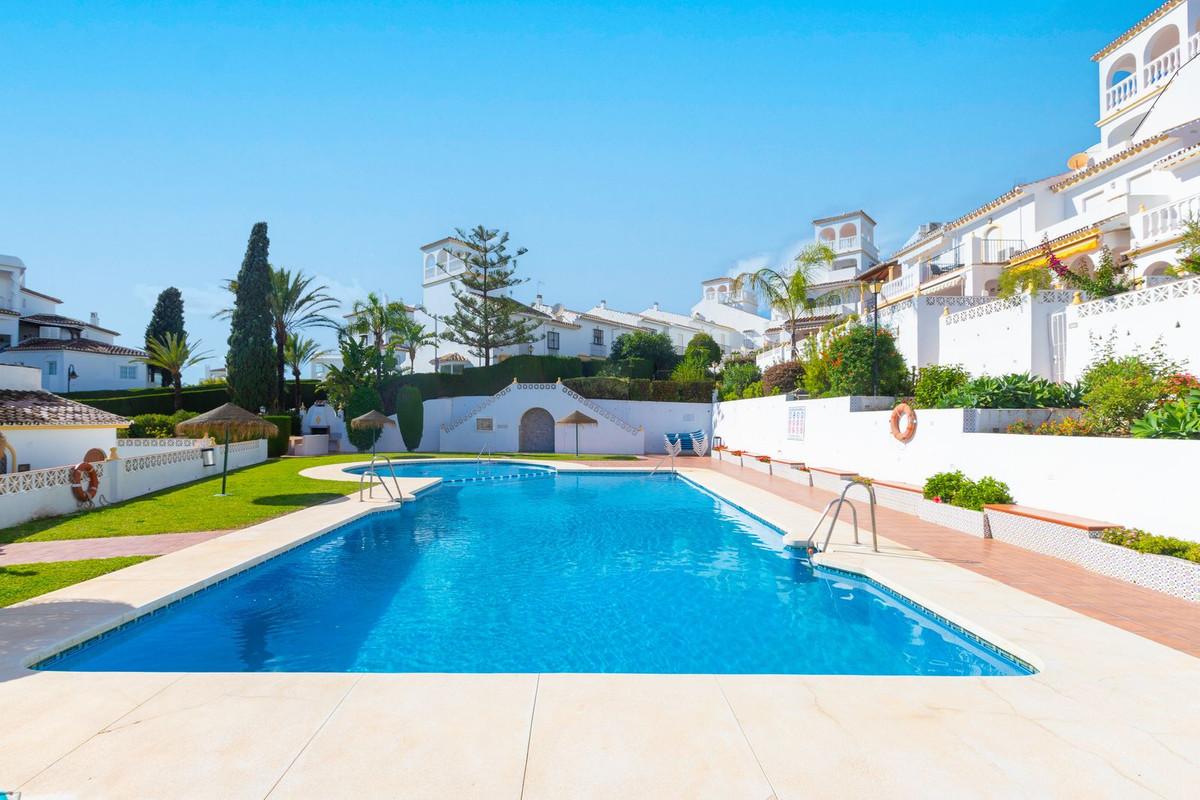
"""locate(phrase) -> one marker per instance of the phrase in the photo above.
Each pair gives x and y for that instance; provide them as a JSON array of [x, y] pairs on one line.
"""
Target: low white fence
[[1138, 482], [47, 492]]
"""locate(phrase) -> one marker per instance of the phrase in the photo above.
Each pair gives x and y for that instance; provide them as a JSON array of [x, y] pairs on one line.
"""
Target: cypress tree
[[251, 358], [167, 317]]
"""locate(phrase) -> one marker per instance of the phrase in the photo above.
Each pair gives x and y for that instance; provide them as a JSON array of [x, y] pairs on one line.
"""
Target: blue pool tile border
[[974, 638]]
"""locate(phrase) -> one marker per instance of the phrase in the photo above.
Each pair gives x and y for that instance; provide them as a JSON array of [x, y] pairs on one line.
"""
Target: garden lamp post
[[876, 287]]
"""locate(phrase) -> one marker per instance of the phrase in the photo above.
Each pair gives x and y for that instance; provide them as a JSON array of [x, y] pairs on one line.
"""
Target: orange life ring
[[81, 472], [905, 411]]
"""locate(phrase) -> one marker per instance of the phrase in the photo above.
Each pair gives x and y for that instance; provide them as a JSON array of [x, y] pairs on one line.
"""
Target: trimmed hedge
[[156, 426], [277, 445], [132, 403], [485, 380], [410, 412], [362, 400], [642, 389]]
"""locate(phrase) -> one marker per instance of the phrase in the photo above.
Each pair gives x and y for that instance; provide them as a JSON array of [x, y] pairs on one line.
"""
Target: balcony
[[998, 251], [1152, 76], [1165, 221], [897, 286]]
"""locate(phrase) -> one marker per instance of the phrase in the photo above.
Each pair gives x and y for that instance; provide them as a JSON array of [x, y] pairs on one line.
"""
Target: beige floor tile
[[415, 736], [638, 736], [205, 736]]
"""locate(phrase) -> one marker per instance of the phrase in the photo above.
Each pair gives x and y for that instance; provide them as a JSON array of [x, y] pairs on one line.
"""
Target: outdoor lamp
[[876, 287], [208, 457]]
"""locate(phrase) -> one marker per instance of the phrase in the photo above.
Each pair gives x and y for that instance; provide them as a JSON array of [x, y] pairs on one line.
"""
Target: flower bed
[[1073, 539]]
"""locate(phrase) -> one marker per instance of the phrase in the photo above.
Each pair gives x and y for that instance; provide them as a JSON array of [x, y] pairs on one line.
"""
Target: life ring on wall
[[85, 481], [909, 430]]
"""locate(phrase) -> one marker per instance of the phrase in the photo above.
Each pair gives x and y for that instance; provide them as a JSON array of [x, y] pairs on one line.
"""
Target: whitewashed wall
[[1004, 335], [53, 447], [1170, 313], [1138, 482], [47, 492]]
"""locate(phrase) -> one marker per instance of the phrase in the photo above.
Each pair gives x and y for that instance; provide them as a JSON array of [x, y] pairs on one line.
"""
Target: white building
[[72, 355]]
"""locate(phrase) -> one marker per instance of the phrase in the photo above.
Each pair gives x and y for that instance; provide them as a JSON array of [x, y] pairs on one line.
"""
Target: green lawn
[[255, 494], [22, 581]]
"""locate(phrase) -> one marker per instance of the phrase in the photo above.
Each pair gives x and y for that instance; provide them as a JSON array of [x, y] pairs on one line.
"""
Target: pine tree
[[166, 318], [251, 358], [484, 315]]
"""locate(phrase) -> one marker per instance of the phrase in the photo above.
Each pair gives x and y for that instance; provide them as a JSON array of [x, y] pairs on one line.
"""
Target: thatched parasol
[[577, 418], [371, 421], [229, 419]]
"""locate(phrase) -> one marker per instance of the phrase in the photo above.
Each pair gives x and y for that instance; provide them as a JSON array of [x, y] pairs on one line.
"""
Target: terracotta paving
[[1162, 618], [107, 547]]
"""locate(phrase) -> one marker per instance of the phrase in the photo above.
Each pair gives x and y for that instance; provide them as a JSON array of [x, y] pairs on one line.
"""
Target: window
[[52, 368], [452, 368], [552, 340], [598, 336], [483, 423], [129, 373]]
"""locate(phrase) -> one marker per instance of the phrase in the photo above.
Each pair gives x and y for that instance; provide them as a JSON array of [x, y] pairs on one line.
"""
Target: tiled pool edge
[[964, 628]]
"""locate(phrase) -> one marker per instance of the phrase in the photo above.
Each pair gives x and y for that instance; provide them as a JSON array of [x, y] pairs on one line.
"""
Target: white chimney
[[656, 305], [95, 319], [537, 300], [604, 304]]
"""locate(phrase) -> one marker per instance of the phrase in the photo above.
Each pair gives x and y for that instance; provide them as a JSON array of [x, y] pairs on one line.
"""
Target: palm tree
[[382, 320], [299, 351], [295, 305], [172, 354], [787, 291], [412, 336]]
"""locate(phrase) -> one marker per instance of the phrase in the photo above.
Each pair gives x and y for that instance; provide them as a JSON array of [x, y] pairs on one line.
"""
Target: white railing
[[999, 251], [904, 283], [1167, 219], [1162, 67], [1175, 290], [1122, 92], [34, 479], [164, 442], [846, 243], [1193, 46]]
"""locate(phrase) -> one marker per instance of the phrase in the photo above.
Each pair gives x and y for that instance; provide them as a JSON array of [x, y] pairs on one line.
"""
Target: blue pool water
[[460, 471], [573, 573]]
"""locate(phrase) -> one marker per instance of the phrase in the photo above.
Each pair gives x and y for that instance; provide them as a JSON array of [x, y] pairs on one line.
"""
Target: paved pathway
[[1160, 617], [107, 547]]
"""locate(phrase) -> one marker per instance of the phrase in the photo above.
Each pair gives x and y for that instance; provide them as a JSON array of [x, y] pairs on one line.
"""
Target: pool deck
[[1109, 714]]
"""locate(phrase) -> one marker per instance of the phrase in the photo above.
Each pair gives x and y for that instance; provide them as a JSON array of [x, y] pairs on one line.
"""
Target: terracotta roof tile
[[29, 408], [78, 345]]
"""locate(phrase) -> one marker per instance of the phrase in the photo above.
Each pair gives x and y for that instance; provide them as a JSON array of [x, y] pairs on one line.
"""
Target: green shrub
[[976, 494], [782, 378], [736, 377], [857, 357], [410, 414], [1179, 419], [362, 400], [159, 400], [1120, 390], [277, 445], [1143, 542], [599, 388], [484, 380], [753, 390], [693, 368], [625, 368], [681, 391], [935, 382], [654, 347], [1017, 390], [944, 485], [956, 489], [639, 388], [157, 426], [703, 349]]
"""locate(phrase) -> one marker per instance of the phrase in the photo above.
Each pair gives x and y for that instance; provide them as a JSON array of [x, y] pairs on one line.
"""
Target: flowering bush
[[1119, 390], [1143, 542], [853, 357], [1067, 426]]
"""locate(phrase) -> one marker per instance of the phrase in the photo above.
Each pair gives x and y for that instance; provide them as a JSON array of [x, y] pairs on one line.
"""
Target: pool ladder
[[672, 451], [835, 505], [371, 472]]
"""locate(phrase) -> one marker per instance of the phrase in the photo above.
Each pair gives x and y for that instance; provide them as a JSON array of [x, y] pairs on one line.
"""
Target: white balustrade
[[1167, 219], [1122, 92], [1193, 46], [1162, 67], [846, 243], [904, 283]]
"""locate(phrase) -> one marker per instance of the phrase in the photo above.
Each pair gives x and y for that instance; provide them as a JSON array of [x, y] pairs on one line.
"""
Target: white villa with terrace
[[71, 354]]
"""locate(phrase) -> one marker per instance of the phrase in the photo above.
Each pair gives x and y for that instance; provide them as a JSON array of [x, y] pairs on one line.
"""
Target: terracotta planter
[[1165, 574], [948, 516]]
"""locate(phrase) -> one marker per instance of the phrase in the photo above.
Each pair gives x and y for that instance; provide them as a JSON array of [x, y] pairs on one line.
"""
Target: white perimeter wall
[[1003, 336], [1144, 483], [47, 492], [1169, 313], [654, 418], [52, 447]]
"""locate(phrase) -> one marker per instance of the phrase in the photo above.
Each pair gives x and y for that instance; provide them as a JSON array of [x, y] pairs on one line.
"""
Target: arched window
[[1083, 266], [1162, 55], [1125, 66], [1165, 40], [848, 230], [828, 235], [991, 288], [710, 294], [1156, 269]]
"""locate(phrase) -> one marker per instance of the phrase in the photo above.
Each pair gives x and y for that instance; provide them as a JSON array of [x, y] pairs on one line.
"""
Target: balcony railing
[[904, 283], [1152, 75], [1193, 47], [999, 251], [1161, 67], [1121, 93], [946, 261], [1166, 220]]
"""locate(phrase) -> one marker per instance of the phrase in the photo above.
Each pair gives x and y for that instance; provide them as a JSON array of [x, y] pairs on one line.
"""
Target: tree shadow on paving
[[33, 631]]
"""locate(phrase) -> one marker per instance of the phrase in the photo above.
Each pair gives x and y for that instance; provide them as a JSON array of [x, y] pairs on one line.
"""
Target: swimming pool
[[459, 471], [576, 573]]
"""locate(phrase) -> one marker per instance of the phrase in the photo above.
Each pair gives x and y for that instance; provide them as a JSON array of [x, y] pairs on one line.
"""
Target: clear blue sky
[[635, 149]]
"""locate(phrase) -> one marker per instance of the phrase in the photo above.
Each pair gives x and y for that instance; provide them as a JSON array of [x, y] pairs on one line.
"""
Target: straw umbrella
[[230, 419], [371, 421], [577, 418]]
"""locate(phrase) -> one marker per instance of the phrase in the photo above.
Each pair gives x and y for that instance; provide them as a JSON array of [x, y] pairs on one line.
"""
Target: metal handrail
[[835, 505], [398, 497], [673, 449], [488, 448]]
